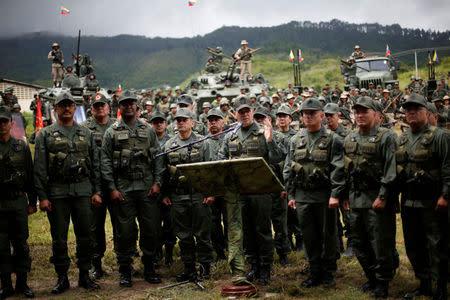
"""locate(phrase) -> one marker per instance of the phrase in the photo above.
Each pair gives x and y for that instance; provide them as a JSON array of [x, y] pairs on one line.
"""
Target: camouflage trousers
[[248, 64], [57, 73]]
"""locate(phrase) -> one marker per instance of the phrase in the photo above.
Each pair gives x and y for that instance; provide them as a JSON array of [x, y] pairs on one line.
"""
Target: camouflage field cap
[[185, 99], [99, 98], [261, 111], [183, 113], [158, 116], [378, 106], [206, 105], [215, 112], [127, 95], [62, 97], [242, 102], [365, 102], [173, 105], [284, 110], [432, 108], [5, 113], [17, 105], [363, 90], [311, 104], [415, 99], [331, 108], [436, 100], [224, 101]]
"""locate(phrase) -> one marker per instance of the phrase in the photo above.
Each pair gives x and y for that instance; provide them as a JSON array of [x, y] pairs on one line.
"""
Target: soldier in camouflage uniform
[[371, 171], [423, 165], [114, 104], [246, 62], [8, 98], [219, 234], [249, 214], [133, 176], [191, 212], [203, 116], [98, 124], [358, 54], [168, 238], [185, 101], [57, 58], [440, 92], [67, 181], [314, 176], [442, 111], [16, 183]]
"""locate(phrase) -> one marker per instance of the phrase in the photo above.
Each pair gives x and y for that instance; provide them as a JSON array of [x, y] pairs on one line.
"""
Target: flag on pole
[[39, 121], [291, 56], [388, 51], [435, 57], [64, 11], [300, 57], [430, 62], [192, 2]]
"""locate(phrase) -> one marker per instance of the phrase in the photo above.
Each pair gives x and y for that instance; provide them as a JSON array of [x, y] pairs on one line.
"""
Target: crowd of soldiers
[[333, 150]]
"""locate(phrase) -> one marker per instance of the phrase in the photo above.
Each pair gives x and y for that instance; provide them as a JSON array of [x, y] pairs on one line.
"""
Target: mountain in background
[[141, 62]]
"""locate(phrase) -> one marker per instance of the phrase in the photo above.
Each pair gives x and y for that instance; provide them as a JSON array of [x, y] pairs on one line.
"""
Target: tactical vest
[[68, 161], [311, 166], [132, 152], [252, 147], [164, 107], [97, 136], [182, 156], [418, 168], [12, 166], [243, 52], [364, 163]]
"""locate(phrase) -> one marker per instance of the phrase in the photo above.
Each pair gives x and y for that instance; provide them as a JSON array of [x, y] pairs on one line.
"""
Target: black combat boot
[[62, 284], [370, 284], [22, 286], [169, 255], [204, 271], [441, 290], [254, 273], [150, 274], [381, 289], [424, 289], [312, 281], [264, 275], [189, 274], [298, 243], [220, 255], [7, 288], [284, 261], [97, 271], [125, 276], [328, 280], [349, 251], [86, 282]]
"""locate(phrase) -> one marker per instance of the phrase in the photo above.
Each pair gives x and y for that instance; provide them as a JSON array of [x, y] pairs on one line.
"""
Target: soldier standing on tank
[[423, 164], [16, 183], [57, 58], [249, 215], [219, 233], [358, 54], [134, 178], [168, 238], [246, 62], [314, 177], [332, 116], [371, 171], [191, 212], [98, 124], [67, 181]]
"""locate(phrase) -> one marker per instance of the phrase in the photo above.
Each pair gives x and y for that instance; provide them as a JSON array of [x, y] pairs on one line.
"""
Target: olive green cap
[[366, 102], [378, 106], [311, 104], [127, 95], [100, 98], [415, 99], [158, 115], [436, 100], [5, 113], [242, 102], [62, 97], [432, 108], [215, 112], [284, 110], [183, 112], [331, 108], [185, 99], [261, 111]]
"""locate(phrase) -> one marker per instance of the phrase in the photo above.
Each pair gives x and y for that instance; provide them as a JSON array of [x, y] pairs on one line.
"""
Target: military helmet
[[55, 45], [206, 105]]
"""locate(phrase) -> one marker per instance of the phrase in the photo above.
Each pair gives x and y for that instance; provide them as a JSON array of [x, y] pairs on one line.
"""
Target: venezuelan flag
[[300, 57], [388, 51], [435, 58], [192, 2], [291, 56], [64, 11]]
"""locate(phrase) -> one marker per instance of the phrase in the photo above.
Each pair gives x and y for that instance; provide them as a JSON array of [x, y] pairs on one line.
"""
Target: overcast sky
[[174, 18]]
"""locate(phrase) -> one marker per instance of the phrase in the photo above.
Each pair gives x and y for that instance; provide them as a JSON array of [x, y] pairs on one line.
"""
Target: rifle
[[347, 63], [57, 59], [189, 145], [390, 103], [212, 51], [245, 55]]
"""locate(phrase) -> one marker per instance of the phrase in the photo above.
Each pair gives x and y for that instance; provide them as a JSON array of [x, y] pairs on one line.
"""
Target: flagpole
[[415, 60]]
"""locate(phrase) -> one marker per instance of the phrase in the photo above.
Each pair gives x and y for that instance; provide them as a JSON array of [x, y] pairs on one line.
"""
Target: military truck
[[379, 70]]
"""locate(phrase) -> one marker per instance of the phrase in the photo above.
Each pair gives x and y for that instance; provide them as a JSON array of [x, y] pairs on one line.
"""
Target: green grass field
[[285, 281]]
